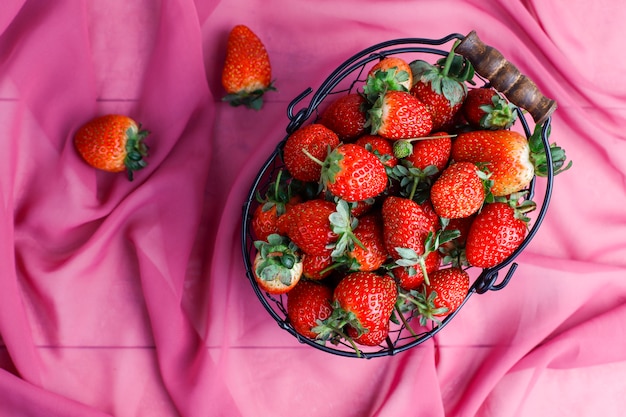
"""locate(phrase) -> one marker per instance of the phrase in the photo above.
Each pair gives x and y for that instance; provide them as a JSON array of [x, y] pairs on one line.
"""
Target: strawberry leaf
[[343, 224], [538, 154]]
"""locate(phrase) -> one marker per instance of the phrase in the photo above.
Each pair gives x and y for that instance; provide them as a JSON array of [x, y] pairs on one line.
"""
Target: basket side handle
[[506, 78]]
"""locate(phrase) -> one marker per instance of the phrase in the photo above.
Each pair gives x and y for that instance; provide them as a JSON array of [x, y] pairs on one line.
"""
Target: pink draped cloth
[[125, 299]]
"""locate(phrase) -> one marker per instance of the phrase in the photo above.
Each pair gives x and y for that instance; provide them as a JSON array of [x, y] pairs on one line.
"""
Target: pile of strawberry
[[388, 198]]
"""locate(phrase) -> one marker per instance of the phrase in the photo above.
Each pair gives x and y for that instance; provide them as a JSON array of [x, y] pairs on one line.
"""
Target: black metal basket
[[407, 333]]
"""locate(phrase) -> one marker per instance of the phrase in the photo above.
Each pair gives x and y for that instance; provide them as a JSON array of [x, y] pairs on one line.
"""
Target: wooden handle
[[506, 78]]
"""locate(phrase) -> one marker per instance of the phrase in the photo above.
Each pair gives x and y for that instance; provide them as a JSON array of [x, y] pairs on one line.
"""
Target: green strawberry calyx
[[415, 183], [343, 224], [520, 205], [382, 81], [447, 77], [422, 305], [332, 329], [538, 154], [500, 114], [136, 150], [410, 259], [279, 193], [375, 115], [278, 258], [250, 99], [331, 165]]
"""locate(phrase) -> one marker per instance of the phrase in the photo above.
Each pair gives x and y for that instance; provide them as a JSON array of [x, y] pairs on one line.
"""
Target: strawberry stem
[[413, 189], [429, 137], [276, 184], [405, 322], [422, 263], [449, 60], [314, 159]]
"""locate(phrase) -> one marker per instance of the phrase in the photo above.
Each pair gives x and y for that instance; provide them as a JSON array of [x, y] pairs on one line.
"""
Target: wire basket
[[351, 74]]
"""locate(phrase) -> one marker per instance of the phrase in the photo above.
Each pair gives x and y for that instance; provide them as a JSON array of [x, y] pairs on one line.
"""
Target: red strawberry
[[411, 277], [247, 73], [277, 267], [399, 115], [359, 208], [112, 143], [276, 202], [430, 213], [459, 191], [462, 225], [307, 303], [496, 232], [440, 107], [415, 268], [264, 220], [371, 253], [353, 173], [380, 147], [307, 224], [370, 298], [390, 73], [435, 151], [454, 250], [485, 108], [441, 87], [405, 225], [447, 289], [316, 267], [510, 159], [315, 139], [345, 116]]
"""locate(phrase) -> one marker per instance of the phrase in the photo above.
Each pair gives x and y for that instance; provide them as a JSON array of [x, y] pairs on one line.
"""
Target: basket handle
[[506, 78]]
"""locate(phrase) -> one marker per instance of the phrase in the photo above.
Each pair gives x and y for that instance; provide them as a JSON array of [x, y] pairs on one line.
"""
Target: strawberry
[[399, 115], [276, 202], [459, 191], [362, 303], [277, 267], [380, 147], [307, 303], [454, 251], [308, 225], [264, 221], [345, 116], [390, 73], [405, 225], [485, 108], [359, 208], [343, 223], [314, 139], [472, 109], [370, 253], [441, 87], [434, 151], [429, 211], [353, 173], [411, 277], [447, 289], [508, 157], [496, 232], [247, 72], [439, 106], [112, 143], [416, 267], [316, 267]]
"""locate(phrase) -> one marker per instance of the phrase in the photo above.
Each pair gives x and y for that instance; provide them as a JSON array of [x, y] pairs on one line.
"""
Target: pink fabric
[[130, 299]]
